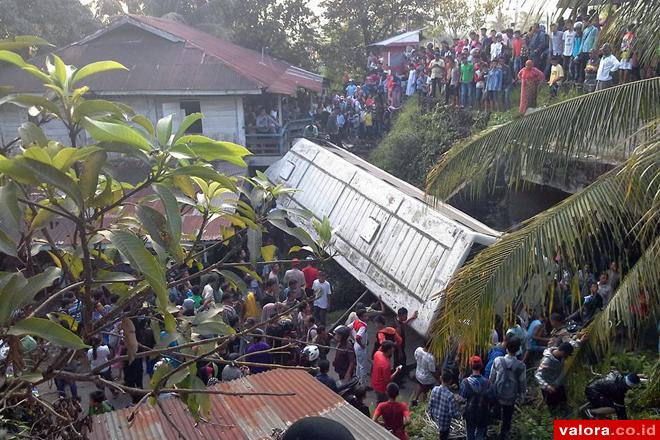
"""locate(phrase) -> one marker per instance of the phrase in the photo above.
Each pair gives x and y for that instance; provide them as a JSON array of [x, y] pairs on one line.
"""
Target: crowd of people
[[481, 71]]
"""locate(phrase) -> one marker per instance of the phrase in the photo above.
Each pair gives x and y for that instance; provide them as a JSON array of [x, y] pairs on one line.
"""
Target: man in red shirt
[[381, 372], [311, 273], [395, 414]]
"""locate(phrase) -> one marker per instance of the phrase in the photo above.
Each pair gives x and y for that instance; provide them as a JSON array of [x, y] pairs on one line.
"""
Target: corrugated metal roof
[[242, 417], [386, 235], [404, 39], [169, 57]]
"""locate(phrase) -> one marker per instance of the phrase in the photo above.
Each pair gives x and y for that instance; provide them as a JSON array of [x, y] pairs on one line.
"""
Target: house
[[386, 233], [394, 49], [176, 69], [236, 417]]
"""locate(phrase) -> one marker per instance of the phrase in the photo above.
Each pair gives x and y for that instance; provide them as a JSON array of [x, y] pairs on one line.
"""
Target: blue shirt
[[473, 385], [577, 45], [442, 407], [493, 354], [531, 343], [589, 37], [494, 80], [350, 89]]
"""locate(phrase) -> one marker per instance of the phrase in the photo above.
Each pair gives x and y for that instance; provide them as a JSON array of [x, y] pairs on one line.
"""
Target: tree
[[59, 21], [283, 29], [352, 25], [621, 205], [500, 21], [458, 17], [114, 223]]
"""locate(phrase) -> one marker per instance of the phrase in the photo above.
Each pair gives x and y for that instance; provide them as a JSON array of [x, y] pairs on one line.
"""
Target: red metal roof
[[276, 76], [166, 57], [242, 417]]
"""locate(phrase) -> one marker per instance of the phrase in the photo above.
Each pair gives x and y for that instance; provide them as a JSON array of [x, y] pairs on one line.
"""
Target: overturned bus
[[385, 233]]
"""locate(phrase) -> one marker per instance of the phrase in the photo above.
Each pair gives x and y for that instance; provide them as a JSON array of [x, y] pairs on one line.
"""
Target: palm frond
[[642, 14], [550, 140], [519, 265], [636, 300]]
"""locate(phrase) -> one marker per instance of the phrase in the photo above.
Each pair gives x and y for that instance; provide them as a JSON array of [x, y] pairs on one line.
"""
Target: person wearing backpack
[[475, 390], [508, 376]]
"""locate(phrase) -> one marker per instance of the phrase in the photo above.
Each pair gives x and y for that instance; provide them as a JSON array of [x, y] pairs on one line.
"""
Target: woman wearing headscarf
[[530, 78]]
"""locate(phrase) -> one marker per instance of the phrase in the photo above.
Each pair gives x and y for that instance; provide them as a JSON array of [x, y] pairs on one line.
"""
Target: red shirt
[[381, 372], [517, 46], [393, 414], [311, 274]]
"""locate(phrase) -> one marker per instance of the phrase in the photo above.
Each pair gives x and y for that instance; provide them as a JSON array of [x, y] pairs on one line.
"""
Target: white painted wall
[[223, 117]]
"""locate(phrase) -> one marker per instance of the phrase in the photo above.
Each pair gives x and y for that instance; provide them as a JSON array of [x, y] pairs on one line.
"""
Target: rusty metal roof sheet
[[166, 57], [242, 417]]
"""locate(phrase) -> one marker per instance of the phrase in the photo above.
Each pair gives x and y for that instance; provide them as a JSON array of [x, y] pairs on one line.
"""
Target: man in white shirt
[[569, 40], [425, 373], [608, 64], [322, 291], [496, 47], [208, 292]]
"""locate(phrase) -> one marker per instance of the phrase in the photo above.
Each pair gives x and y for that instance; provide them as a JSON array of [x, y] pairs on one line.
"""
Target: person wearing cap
[[608, 64], [608, 395], [474, 389], [311, 273], [294, 274], [550, 375]]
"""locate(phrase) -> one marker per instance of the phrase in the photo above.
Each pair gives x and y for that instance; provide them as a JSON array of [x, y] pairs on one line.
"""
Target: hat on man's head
[[476, 362]]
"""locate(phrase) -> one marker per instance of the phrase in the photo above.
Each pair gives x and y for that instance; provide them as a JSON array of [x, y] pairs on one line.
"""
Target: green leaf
[[186, 123], [37, 283], [12, 284], [31, 134], [213, 327], [43, 216], [141, 259], [196, 146], [60, 70], [207, 173], [89, 175], [39, 154], [40, 102], [235, 280], [22, 42], [115, 132], [49, 331], [96, 107], [171, 210], [254, 239], [145, 123], [41, 76], [105, 197], [164, 129], [50, 175], [11, 214], [154, 223], [7, 244], [114, 277], [12, 58], [94, 68], [297, 232]]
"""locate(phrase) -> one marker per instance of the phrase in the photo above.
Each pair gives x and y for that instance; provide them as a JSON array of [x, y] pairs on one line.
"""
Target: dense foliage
[[417, 139]]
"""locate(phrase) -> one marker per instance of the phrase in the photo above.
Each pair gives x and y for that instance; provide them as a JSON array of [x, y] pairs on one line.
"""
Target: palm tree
[[621, 205]]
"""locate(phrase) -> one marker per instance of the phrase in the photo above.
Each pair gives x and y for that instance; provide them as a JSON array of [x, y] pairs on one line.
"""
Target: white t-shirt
[[325, 290], [425, 366], [569, 40], [207, 294], [495, 50], [102, 356]]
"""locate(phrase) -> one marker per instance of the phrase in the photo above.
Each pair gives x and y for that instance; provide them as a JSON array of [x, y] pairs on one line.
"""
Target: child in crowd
[[395, 415], [493, 87], [556, 76], [98, 403]]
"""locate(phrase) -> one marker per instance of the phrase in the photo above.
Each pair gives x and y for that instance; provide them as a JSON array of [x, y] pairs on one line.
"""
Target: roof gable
[[165, 57]]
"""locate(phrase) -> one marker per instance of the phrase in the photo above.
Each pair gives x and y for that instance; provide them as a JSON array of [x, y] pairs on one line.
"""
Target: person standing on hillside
[[311, 273], [295, 274], [322, 291], [381, 372], [509, 381], [530, 78]]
